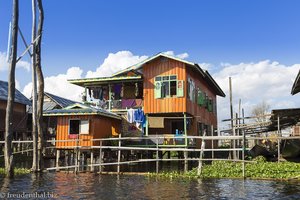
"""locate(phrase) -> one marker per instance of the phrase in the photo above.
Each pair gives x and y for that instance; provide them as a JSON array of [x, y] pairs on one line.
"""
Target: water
[[93, 186]]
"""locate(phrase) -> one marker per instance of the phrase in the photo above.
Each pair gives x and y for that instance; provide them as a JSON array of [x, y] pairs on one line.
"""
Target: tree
[[260, 112], [34, 167], [8, 156], [40, 77]]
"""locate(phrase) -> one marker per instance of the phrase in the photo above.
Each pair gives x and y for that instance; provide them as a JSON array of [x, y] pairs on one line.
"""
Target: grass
[[228, 169]]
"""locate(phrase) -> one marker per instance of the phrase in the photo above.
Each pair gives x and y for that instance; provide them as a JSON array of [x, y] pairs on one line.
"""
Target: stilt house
[[177, 98]]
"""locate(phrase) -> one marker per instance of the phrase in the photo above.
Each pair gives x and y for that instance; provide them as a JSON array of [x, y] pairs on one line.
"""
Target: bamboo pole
[[201, 156], [119, 154], [278, 135], [100, 157], [244, 146], [157, 156]]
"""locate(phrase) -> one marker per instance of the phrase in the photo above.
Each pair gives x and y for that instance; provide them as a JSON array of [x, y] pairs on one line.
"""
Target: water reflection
[[93, 186]]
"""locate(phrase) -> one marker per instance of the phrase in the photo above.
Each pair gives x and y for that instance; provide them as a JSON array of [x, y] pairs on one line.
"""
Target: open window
[[77, 127], [168, 86]]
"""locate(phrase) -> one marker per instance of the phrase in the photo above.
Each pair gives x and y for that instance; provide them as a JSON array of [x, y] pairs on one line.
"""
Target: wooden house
[[83, 122], [177, 97], [19, 110]]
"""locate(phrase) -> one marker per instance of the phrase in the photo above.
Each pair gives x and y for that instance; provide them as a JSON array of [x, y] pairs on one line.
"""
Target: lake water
[[94, 186]]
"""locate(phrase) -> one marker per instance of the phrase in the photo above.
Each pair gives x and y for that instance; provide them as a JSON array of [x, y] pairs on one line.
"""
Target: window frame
[[163, 79], [80, 128]]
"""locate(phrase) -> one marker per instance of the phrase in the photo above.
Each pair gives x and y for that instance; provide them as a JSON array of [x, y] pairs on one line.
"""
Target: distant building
[[19, 112]]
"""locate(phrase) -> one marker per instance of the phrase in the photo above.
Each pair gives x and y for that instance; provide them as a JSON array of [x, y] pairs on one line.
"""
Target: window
[[191, 90], [168, 86], [78, 127]]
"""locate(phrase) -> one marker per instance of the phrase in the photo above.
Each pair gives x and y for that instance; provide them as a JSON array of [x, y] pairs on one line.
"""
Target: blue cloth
[[139, 116]]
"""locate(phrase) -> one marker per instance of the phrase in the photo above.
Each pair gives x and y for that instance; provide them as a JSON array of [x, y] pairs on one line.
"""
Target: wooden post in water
[[119, 154], [244, 145], [186, 164], [157, 156], [92, 160], [231, 115], [278, 135], [212, 143], [57, 159], [100, 157], [201, 155]]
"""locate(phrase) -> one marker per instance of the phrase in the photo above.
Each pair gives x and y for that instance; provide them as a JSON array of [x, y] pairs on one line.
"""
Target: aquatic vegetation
[[228, 169], [17, 171]]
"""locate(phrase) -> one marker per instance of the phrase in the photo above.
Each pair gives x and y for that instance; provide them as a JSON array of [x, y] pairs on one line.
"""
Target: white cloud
[[256, 82], [17, 85], [206, 66], [4, 64], [115, 62], [58, 85], [181, 56]]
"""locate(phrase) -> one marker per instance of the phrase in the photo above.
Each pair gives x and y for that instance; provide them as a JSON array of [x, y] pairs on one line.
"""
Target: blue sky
[[83, 33]]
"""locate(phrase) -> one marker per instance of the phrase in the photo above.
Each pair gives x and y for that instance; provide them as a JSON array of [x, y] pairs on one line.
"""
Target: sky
[[255, 42]]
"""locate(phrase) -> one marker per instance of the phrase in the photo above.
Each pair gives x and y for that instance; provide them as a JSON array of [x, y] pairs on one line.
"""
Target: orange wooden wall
[[100, 127], [201, 113], [160, 67]]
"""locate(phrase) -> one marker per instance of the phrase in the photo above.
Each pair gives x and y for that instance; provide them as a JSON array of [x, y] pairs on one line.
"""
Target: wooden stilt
[[157, 156], [100, 157], [92, 161], [57, 159], [186, 166], [119, 154]]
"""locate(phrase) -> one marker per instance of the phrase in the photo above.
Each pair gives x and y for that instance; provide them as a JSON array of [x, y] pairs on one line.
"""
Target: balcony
[[120, 104]]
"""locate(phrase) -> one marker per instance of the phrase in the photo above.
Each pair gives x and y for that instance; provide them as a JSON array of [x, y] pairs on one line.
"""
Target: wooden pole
[[231, 116], [244, 145], [100, 157], [212, 142], [109, 97], [201, 155], [119, 154], [238, 133], [185, 129], [92, 160], [8, 151], [57, 159], [278, 135], [34, 91], [157, 156], [186, 165]]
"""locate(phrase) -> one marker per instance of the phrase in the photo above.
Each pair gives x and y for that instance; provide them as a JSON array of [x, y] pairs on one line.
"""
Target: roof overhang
[[104, 80], [296, 85], [78, 109]]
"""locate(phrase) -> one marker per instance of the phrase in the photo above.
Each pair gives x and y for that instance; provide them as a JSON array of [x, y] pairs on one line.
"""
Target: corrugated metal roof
[[19, 97], [63, 102], [140, 64], [80, 109]]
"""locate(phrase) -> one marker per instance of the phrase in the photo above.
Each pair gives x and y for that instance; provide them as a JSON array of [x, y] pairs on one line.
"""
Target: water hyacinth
[[228, 169]]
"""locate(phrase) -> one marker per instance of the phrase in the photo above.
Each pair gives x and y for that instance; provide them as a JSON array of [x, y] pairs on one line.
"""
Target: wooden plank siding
[[159, 67], [19, 116], [99, 127], [200, 112]]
